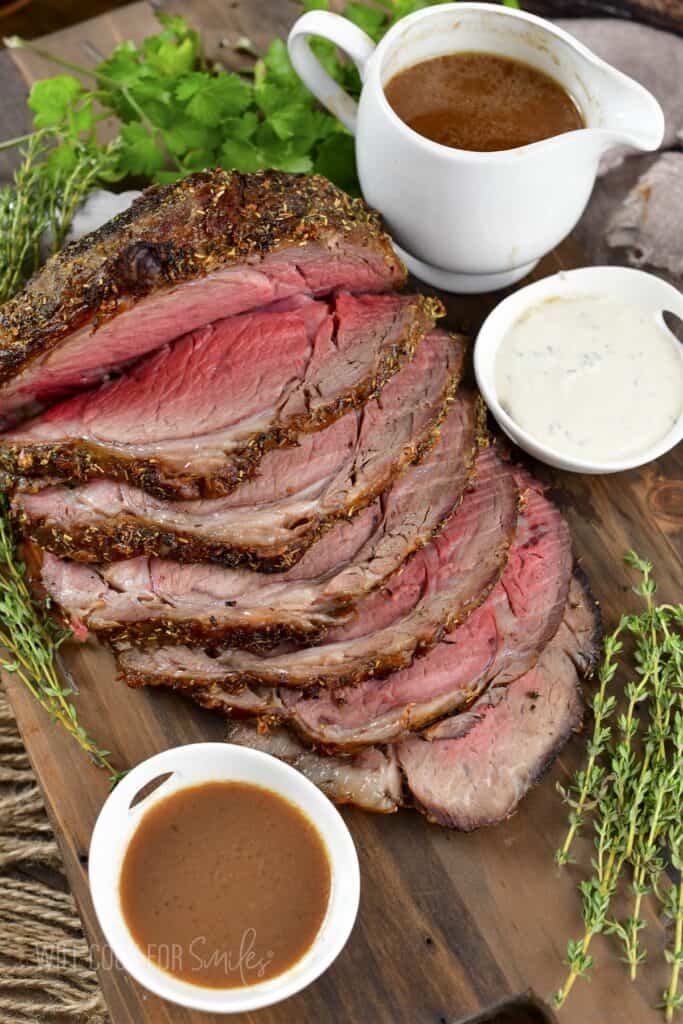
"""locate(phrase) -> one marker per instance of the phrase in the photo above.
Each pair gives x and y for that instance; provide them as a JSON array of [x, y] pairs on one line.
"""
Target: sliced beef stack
[[165, 425], [298, 494], [239, 456]]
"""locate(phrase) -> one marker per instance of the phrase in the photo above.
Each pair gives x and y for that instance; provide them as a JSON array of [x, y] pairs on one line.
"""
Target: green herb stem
[[590, 777], [672, 998], [29, 641], [633, 789], [645, 863], [596, 900], [18, 141]]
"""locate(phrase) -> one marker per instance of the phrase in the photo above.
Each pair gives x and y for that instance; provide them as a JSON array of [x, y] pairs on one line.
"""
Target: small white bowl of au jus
[[582, 371], [226, 809]]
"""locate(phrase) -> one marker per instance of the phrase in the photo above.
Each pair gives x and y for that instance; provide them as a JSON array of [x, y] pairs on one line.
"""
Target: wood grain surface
[[449, 925]]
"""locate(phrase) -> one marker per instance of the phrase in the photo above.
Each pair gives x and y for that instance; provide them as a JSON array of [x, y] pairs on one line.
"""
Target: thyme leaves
[[631, 791]]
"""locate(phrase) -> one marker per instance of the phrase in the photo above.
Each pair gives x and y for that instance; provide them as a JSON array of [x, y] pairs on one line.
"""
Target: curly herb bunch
[[29, 641], [631, 791]]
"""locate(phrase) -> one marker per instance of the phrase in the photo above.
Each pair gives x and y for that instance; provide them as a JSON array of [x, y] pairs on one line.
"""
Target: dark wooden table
[[449, 924]]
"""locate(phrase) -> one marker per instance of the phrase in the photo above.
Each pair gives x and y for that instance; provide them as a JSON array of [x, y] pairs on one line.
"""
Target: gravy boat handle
[[349, 38]]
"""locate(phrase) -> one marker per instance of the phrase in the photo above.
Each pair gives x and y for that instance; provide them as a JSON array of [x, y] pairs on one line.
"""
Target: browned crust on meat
[[588, 657], [176, 233], [79, 461], [254, 635], [199, 694], [127, 537]]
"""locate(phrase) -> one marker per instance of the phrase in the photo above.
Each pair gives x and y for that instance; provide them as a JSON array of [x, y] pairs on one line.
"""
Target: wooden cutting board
[[449, 925]]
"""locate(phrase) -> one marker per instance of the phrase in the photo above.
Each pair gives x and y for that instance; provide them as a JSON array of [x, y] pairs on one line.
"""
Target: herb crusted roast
[[151, 599], [296, 494], [236, 453], [210, 246], [193, 419]]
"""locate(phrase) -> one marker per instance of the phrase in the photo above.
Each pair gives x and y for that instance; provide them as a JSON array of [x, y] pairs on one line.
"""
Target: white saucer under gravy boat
[[466, 221]]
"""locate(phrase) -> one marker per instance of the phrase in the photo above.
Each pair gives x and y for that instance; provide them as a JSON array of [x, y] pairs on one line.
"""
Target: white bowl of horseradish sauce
[[230, 885], [582, 371]]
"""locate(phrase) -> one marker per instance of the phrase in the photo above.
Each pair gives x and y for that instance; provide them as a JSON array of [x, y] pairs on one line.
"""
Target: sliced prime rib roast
[[152, 599], [214, 245], [470, 769], [296, 494], [473, 769], [193, 419], [500, 641], [442, 584]]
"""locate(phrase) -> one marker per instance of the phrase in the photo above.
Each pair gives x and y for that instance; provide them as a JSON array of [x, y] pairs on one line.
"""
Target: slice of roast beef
[[269, 521], [213, 245], [441, 585], [195, 418], [152, 599], [471, 769], [371, 779]]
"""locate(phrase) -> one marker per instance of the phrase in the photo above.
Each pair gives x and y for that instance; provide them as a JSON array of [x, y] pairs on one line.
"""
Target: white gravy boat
[[464, 221]]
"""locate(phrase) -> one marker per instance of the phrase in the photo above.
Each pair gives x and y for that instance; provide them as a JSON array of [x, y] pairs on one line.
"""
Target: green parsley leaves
[[177, 114]]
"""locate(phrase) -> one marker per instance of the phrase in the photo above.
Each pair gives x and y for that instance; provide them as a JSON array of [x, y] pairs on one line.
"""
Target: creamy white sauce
[[590, 377]]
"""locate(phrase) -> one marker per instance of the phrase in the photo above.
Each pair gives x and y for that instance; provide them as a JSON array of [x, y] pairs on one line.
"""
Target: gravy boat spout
[[618, 111]]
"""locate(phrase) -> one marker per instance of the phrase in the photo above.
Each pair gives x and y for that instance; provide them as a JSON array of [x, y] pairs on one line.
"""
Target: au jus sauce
[[225, 884], [481, 102]]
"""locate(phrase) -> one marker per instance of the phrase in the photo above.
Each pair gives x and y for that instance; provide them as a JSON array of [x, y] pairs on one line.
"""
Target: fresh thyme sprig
[[583, 793], [672, 999], [40, 204], [29, 641], [632, 789]]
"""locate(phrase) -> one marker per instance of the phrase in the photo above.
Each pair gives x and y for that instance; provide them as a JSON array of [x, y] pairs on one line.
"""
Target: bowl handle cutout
[[673, 323], [148, 788]]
